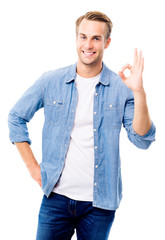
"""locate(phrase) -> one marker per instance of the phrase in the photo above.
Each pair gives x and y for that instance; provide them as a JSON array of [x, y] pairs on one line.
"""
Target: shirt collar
[[71, 76], [104, 78], [105, 75]]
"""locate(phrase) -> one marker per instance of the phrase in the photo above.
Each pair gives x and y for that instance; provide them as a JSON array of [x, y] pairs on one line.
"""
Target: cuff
[[150, 135]]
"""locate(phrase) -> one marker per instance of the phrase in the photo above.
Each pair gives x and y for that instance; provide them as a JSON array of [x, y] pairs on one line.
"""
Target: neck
[[88, 71]]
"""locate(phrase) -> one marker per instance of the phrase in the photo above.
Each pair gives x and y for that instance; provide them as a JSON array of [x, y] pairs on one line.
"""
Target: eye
[[96, 38], [83, 37]]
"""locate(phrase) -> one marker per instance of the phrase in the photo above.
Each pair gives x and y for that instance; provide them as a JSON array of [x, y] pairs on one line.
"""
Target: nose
[[88, 44]]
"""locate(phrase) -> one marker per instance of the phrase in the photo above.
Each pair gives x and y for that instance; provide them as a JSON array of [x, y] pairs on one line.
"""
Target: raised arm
[[141, 121]]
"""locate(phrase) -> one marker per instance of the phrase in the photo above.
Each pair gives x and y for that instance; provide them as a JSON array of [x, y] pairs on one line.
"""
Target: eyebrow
[[98, 36]]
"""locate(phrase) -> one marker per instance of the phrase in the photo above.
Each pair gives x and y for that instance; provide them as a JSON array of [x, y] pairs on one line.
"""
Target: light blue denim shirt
[[113, 107]]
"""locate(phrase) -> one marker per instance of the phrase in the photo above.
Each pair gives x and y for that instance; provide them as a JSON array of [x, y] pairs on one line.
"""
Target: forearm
[[29, 160], [26, 154], [141, 121]]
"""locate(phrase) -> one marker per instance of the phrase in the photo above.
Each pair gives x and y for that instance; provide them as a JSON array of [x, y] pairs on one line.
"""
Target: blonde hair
[[96, 16]]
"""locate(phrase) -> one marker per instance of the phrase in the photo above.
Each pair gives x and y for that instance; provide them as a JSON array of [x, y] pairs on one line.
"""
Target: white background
[[39, 35]]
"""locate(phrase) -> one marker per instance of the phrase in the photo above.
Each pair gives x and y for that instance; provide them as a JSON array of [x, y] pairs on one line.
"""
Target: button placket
[[95, 141]]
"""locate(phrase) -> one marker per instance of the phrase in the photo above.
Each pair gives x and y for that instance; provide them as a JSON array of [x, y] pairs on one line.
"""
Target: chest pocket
[[53, 111], [112, 117]]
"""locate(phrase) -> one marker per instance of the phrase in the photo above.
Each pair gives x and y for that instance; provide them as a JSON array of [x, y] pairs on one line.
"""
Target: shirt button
[[110, 105], [95, 184], [96, 166], [54, 102], [94, 130], [95, 147], [96, 94], [94, 112]]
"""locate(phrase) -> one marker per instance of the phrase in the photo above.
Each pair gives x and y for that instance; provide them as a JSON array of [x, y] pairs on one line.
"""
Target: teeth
[[88, 53]]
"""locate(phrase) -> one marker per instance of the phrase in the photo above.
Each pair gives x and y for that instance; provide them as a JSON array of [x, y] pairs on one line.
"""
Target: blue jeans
[[59, 216]]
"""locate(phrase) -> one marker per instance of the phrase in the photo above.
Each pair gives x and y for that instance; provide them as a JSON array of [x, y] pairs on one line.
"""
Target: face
[[91, 42]]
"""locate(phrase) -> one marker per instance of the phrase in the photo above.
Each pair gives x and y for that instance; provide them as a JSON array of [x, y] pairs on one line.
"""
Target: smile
[[88, 53]]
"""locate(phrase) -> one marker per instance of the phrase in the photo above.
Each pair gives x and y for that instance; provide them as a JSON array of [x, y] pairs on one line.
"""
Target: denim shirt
[[113, 107]]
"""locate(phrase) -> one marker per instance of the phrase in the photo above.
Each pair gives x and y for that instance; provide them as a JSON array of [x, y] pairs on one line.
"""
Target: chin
[[88, 62]]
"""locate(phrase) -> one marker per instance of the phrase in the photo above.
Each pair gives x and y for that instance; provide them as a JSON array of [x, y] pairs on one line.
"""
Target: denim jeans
[[60, 216]]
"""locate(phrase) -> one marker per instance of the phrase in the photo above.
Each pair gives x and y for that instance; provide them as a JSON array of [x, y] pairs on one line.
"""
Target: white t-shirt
[[76, 181]]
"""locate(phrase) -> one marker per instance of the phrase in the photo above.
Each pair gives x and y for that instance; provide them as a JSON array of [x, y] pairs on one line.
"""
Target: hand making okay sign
[[134, 81]]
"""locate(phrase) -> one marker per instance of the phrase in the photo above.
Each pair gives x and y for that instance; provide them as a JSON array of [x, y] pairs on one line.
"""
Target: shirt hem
[[72, 196]]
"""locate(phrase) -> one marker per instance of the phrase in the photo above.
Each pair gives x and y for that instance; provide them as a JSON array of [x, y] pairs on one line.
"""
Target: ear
[[107, 43]]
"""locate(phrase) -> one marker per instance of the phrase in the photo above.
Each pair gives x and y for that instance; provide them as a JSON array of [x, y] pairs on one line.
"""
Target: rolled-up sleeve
[[24, 110], [139, 141]]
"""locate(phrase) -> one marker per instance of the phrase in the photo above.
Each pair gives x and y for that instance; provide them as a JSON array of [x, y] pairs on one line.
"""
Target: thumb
[[121, 74]]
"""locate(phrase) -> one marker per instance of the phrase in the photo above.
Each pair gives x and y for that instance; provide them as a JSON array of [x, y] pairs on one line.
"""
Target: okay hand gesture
[[134, 81]]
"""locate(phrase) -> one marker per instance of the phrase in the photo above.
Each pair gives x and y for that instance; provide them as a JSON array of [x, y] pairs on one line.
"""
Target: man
[[85, 106]]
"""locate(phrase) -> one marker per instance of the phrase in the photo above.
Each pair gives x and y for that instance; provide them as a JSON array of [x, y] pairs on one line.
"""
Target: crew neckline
[[92, 78]]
